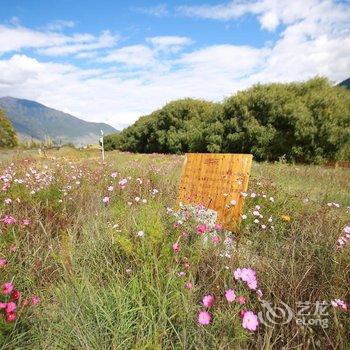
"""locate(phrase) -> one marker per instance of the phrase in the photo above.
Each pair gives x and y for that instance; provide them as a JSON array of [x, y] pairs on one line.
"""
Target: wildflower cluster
[[344, 238], [11, 300], [249, 318]]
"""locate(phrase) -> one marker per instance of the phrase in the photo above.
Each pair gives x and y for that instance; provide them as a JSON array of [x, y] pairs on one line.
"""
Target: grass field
[[103, 262]]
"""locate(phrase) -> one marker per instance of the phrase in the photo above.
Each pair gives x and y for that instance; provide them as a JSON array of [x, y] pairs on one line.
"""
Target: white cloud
[[270, 12], [134, 55], [17, 38], [52, 43], [269, 20], [60, 24], [105, 40], [160, 10], [169, 43]]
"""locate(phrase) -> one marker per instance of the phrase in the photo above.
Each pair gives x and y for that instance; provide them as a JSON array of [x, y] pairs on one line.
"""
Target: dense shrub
[[8, 137], [301, 122]]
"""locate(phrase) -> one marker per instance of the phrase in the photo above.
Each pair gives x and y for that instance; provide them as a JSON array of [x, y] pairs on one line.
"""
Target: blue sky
[[114, 61]]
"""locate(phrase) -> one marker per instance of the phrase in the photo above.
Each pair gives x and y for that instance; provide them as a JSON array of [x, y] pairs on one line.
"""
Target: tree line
[[8, 137], [302, 122]]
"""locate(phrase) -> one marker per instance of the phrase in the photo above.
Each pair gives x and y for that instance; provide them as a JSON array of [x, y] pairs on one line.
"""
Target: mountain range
[[345, 83], [33, 120]]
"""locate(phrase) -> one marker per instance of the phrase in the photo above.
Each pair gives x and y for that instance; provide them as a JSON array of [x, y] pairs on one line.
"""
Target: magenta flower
[[208, 300], [3, 262], [7, 288], [2, 305], [176, 247], [204, 318], [10, 317], [10, 307], [8, 220], [230, 296], [250, 321], [201, 228]]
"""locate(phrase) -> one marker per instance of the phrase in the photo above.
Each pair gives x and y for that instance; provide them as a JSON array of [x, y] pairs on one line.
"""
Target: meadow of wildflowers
[[96, 256]]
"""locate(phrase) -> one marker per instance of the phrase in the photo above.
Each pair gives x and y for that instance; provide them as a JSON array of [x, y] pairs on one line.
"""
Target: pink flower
[[35, 300], [237, 274], [215, 239], [8, 220], [176, 247], [105, 199], [7, 288], [3, 262], [182, 273], [2, 305], [242, 300], [10, 317], [201, 228], [189, 285], [208, 300], [247, 275], [25, 222], [339, 303], [250, 321], [204, 318], [252, 284], [114, 175], [218, 227], [110, 188], [123, 182], [10, 307], [230, 296]]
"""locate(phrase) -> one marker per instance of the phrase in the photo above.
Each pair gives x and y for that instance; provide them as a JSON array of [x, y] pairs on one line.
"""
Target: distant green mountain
[[345, 83], [34, 120]]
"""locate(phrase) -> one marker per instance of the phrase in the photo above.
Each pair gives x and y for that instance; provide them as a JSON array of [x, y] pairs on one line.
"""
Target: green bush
[[302, 122], [8, 138]]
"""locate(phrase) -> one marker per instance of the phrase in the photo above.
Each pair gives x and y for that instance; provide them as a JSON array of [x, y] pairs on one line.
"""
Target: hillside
[[34, 120], [345, 83]]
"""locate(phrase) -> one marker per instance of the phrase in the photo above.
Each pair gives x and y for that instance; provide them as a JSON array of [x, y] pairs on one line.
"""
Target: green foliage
[[8, 138], [180, 126], [303, 122]]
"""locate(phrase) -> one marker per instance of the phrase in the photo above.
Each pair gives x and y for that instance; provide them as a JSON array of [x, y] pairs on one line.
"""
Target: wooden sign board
[[216, 181]]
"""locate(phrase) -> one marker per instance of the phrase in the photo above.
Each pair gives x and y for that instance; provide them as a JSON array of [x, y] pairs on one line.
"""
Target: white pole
[[102, 147]]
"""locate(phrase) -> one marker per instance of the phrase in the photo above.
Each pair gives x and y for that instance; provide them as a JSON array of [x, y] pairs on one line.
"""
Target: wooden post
[[102, 147]]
